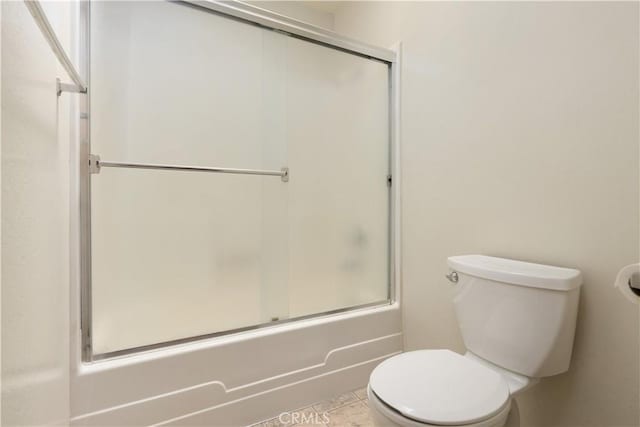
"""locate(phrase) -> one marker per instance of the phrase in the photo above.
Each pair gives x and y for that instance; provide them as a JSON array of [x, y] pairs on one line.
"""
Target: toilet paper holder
[[628, 282]]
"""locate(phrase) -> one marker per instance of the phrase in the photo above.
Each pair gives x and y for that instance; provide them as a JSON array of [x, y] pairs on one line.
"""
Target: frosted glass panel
[[338, 145], [183, 254], [175, 254]]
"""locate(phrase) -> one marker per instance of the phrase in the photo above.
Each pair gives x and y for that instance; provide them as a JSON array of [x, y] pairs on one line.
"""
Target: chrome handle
[[453, 277]]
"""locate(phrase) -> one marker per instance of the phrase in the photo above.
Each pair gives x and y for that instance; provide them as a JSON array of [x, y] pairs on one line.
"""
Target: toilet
[[517, 321]]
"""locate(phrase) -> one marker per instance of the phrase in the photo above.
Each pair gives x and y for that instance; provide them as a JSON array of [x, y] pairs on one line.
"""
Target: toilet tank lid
[[517, 272]]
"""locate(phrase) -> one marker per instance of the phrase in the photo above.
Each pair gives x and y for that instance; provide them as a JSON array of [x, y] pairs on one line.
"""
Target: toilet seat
[[440, 387], [384, 416]]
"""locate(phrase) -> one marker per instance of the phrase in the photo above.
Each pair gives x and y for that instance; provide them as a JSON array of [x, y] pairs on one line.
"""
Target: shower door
[[178, 253]]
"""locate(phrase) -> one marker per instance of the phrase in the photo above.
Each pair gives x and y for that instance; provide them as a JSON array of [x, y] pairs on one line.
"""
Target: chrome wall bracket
[[94, 164], [68, 87]]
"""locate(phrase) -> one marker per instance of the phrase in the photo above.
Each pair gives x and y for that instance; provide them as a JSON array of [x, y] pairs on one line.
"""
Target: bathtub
[[237, 379]]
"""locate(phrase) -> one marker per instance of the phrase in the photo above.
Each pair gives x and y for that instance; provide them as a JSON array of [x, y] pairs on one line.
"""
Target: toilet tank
[[517, 315]]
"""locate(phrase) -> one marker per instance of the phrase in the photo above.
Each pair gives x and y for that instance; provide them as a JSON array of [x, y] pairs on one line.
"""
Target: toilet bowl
[[517, 321]]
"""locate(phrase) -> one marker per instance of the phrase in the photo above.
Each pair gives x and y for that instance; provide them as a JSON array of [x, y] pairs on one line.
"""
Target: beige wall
[[35, 220], [520, 139]]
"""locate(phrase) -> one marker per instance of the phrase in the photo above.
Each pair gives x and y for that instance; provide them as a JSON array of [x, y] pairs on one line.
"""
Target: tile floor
[[347, 410]]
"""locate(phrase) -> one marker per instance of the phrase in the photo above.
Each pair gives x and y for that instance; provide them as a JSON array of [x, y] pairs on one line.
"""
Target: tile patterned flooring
[[347, 410]]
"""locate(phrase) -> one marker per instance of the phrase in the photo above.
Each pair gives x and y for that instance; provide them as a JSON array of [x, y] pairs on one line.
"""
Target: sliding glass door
[[179, 252]]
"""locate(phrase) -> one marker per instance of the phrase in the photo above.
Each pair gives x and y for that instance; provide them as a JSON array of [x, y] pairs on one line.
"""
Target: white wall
[[35, 221], [520, 139]]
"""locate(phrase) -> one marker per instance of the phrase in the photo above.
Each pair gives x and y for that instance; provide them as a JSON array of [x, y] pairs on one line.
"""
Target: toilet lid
[[439, 387]]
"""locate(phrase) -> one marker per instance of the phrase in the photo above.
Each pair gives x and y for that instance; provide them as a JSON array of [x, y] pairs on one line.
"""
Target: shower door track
[[283, 24], [253, 15]]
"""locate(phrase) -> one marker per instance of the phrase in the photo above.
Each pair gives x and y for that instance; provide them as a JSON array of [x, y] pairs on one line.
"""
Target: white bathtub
[[238, 379]]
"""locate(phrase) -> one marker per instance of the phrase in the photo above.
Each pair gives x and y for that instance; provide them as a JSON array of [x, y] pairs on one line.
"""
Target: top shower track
[[274, 21], [236, 9]]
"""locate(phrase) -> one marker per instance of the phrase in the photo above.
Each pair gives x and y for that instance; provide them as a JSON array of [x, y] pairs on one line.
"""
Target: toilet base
[[384, 416]]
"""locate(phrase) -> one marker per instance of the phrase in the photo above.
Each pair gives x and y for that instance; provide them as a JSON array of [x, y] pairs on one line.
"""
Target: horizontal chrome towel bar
[[95, 164]]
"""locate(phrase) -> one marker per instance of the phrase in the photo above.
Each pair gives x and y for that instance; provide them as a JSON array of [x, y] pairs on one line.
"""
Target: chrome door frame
[[254, 15]]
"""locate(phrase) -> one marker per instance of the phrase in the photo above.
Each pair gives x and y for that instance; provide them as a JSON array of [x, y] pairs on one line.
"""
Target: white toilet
[[517, 321]]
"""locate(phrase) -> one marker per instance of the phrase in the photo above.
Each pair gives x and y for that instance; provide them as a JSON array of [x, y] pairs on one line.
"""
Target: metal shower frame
[[248, 14]]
